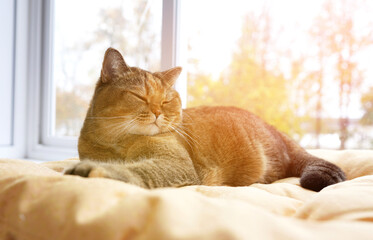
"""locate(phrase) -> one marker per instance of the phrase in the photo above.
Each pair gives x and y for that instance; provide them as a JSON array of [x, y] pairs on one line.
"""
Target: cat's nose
[[156, 112]]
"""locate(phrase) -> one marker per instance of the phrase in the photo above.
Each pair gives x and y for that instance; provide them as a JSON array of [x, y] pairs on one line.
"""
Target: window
[[305, 68], [13, 69], [133, 27], [66, 50]]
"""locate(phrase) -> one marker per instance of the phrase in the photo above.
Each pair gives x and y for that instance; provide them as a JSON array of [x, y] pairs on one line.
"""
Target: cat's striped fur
[[135, 131]]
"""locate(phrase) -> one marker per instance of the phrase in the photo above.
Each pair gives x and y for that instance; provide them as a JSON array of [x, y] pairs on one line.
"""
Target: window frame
[[17, 146], [41, 144]]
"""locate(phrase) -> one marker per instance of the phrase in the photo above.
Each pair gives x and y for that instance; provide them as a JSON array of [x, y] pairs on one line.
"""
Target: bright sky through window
[[250, 48]]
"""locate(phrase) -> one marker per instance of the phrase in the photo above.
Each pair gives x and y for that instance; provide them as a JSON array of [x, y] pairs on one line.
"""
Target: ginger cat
[[135, 131]]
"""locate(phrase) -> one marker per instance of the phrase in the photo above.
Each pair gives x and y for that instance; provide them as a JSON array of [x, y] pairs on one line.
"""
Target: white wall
[[7, 16]]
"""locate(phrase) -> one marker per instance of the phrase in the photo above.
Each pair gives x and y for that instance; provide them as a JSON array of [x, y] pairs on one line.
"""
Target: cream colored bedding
[[38, 203]]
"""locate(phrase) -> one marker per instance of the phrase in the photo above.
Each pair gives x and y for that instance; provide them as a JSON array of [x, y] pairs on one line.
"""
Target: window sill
[[47, 153]]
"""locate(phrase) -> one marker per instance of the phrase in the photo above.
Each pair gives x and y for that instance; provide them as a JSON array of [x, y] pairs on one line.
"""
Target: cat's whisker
[[112, 128], [98, 118], [109, 125], [184, 137], [123, 127], [129, 125], [186, 124], [186, 115], [167, 120], [181, 135], [144, 119], [118, 128], [189, 136], [189, 133], [104, 127]]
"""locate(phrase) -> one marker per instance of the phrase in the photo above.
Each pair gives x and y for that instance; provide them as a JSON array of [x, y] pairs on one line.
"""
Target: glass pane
[[303, 66], [83, 31]]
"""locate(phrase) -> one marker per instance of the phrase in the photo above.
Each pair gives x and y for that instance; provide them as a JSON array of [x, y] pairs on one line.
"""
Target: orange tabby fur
[[135, 131]]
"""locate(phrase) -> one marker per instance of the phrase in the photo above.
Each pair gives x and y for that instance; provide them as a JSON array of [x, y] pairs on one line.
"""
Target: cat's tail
[[315, 173]]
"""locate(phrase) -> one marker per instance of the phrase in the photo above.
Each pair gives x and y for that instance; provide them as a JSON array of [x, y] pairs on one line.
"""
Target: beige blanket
[[38, 203]]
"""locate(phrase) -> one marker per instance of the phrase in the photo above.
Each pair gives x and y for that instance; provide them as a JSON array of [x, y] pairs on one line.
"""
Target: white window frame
[[33, 71], [17, 146]]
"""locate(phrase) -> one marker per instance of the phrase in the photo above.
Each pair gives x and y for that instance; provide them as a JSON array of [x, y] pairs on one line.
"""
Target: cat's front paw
[[86, 169]]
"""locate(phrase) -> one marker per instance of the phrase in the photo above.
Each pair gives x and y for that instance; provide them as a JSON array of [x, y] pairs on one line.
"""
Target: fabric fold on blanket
[[37, 202]]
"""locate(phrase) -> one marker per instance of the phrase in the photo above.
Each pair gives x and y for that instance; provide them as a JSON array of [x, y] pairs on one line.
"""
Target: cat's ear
[[113, 65], [169, 76]]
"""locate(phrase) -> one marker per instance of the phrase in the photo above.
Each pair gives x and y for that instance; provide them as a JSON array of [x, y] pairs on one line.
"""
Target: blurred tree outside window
[[304, 69], [133, 27], [303, 66]]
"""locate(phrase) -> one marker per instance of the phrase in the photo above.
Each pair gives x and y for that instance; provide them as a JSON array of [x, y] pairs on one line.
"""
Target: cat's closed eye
[[166, 102], [144, 99]]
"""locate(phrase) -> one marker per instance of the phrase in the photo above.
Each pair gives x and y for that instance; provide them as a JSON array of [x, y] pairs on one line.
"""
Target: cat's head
[[133, 100]]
